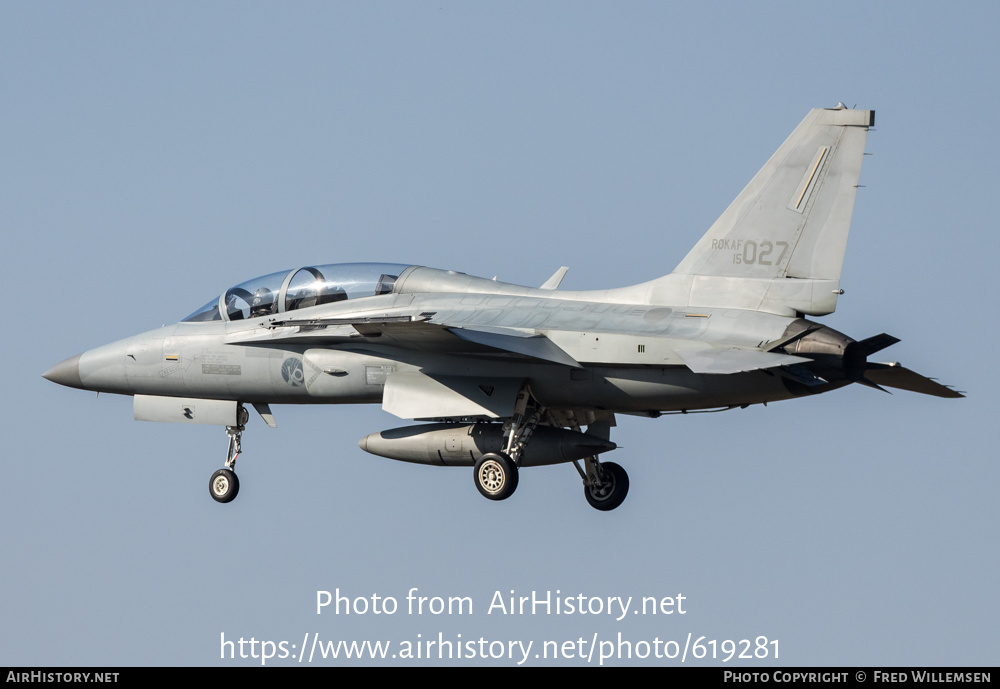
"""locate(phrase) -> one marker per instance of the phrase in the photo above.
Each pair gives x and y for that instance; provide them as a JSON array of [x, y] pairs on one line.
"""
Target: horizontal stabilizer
[[895, 375], [870, 345], [733, 360]]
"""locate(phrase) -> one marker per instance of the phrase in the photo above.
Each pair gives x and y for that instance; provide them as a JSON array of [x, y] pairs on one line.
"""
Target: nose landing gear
[[224, 485]]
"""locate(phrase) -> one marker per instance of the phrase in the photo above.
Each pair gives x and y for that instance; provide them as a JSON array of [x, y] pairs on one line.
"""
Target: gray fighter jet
[[505, 376]]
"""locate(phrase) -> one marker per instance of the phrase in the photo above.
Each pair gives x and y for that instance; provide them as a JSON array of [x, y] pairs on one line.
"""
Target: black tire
[[612, 492], [224, 486], [495, 476]]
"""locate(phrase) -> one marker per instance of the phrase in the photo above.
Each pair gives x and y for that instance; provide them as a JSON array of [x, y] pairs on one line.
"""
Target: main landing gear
[[496, 476], [224, 485], [495, 473], [605, 485]]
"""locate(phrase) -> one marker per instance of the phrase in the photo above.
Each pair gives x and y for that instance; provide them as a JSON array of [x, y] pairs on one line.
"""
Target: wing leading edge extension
[[409, 333]]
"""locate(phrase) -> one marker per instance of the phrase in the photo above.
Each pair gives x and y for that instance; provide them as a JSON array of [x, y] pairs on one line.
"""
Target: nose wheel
[[224, 485]]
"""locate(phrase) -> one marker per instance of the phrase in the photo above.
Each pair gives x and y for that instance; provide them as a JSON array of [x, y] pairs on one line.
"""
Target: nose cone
[[66, 373], [100, 370]]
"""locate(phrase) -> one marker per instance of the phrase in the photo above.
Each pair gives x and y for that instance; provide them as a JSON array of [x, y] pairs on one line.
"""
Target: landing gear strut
[[605, 485], [224, 485], [496, 473]]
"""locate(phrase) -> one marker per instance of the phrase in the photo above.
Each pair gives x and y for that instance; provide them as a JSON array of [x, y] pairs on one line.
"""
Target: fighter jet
[[504, 376]]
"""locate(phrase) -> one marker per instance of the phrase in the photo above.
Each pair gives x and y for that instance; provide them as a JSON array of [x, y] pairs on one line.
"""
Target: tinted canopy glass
[[300, 289]]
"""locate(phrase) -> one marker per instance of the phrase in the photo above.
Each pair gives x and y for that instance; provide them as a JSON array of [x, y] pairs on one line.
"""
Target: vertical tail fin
[[780, 245]]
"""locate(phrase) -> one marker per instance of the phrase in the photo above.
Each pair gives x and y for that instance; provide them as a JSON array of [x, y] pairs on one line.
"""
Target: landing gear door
[[185, 410]]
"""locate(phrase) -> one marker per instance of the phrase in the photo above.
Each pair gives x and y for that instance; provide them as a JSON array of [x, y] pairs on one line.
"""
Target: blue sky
[[155, 154]]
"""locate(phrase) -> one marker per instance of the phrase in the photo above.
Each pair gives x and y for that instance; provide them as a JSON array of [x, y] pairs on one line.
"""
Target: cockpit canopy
[[299, 289]]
